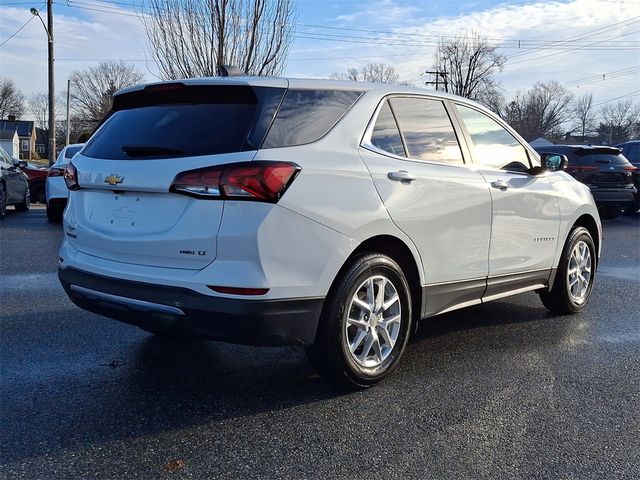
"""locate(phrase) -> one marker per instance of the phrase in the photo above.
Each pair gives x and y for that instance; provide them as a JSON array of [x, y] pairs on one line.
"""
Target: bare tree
[[39, 108], [469, 64], [11, 99], [371, 72], [584, 113], [191, 38], [619, 120], [92, 89], [540, 111]]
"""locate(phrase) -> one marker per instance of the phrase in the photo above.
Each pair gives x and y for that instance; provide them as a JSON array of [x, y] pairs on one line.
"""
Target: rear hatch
[[125, 208], [600, 167]]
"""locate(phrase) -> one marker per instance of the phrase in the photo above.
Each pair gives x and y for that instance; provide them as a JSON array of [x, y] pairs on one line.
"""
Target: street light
[[52, 92]]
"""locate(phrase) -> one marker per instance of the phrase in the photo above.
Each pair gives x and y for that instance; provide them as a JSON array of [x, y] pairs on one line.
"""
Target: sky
[[587, 45]]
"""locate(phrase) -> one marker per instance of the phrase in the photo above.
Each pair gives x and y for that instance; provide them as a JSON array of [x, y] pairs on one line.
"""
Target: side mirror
[[553, 162], [22, 164]]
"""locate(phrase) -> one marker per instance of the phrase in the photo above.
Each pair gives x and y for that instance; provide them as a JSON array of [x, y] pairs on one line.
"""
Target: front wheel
[[574, 279], [365, 323], [25, 204]]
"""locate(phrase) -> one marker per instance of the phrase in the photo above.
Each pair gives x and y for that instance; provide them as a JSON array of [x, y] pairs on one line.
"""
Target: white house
[[10, 142]]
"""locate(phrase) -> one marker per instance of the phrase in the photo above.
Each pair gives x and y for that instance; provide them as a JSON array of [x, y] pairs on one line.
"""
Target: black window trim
[[469, 142], [365, 142]]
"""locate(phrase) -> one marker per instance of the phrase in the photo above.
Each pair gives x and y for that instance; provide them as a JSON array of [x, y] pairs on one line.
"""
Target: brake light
[[257, 181], [55, 172], [576, 168], [630, 168], [71, 177]]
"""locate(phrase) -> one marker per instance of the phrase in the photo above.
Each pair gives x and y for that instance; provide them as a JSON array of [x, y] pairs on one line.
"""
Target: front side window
[[493, 146], [386, 135], [427, 130]]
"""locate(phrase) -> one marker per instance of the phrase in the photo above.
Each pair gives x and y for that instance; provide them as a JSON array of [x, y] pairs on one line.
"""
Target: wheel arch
[[587, 221], [400, 252]]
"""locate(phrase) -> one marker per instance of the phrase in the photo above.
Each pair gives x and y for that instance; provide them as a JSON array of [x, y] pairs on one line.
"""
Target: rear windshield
[[172, 120], [585, 157]]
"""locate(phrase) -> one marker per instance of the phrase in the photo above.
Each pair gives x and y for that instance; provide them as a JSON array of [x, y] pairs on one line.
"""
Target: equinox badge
[[113, 179]]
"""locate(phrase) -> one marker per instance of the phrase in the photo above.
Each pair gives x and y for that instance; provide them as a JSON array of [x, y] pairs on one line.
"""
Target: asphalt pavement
[[501, 390]]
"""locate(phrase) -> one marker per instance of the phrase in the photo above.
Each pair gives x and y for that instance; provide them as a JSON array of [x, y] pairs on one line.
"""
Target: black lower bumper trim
[[180, 310]]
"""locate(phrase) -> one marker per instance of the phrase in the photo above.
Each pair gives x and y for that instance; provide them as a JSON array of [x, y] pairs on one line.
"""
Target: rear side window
[[307, 115], [386, 135], [174, 120], [493, 146], [71, 152], [427, 130]]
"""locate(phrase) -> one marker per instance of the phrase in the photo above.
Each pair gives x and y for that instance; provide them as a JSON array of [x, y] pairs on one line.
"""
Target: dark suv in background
[[605, 171]]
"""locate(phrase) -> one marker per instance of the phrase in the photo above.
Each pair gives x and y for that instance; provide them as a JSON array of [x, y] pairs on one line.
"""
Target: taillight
[[55, 172], [577, 168], [71, 177], [630, 168], [258, 181]]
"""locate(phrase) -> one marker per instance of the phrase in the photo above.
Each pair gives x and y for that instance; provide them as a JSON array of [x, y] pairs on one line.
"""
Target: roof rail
[[229, 71]]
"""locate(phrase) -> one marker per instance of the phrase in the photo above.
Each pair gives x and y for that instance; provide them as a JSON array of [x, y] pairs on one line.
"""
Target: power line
[[630, 94], [20, 29]]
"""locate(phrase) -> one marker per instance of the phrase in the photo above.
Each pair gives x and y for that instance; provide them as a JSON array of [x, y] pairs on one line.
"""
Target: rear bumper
[[624, 198], [249, 322]]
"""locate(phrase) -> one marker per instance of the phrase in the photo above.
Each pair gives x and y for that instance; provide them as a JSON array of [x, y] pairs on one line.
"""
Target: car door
[[526, 214], [12, 178], [415, 160]]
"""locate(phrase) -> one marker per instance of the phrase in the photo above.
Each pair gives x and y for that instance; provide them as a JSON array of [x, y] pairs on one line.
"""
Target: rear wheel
[[3, 201], [364, 325], [38, 193], [54, 214], [24, 205], [574, 279]]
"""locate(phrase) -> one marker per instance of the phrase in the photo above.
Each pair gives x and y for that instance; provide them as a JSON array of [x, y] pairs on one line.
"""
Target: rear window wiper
[[149, 150]]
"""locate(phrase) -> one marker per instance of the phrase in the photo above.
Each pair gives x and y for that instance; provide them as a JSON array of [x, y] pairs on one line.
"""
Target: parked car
[[331, 215], [631, 150], [14, 185], [56, 190], [37, 178], [606, 172]]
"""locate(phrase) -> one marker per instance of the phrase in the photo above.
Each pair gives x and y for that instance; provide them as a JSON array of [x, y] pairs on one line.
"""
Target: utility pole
[[68, 118], [52, 89], [436, 75]]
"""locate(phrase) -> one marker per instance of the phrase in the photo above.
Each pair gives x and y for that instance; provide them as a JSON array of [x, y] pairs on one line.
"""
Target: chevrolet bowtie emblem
[[113, 179]]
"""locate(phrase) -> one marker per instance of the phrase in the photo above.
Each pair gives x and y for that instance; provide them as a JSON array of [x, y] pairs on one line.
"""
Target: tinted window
[[71, 151], [427, 130], [307, 115], [168, 122], [633, 154], [493, 146], [385, 133]]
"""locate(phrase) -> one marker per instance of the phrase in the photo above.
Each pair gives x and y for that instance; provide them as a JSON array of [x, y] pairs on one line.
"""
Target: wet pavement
[[501, 390]]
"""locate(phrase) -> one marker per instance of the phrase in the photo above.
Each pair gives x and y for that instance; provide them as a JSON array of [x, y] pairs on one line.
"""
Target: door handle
[[401, 176], [500, 185]]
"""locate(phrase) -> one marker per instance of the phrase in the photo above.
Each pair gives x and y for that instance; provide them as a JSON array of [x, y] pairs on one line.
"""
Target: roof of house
[[23, 127], [7, 134]]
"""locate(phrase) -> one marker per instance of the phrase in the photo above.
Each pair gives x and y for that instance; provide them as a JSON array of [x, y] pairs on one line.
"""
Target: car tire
[[25, 204], [38, 193], [3, 201], [569, 294], [54, 214], [360, 352]]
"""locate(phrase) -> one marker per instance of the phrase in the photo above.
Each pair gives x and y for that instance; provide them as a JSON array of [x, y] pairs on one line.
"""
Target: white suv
[[332, 215]]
